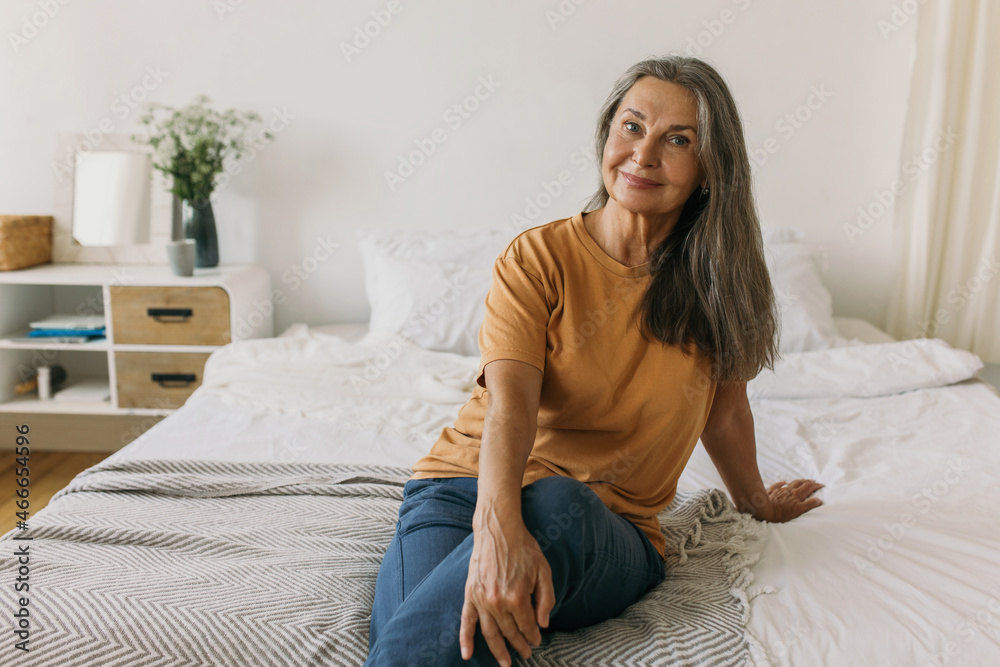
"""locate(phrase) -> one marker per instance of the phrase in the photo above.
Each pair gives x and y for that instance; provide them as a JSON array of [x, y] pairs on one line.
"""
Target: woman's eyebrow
[[672, 128]]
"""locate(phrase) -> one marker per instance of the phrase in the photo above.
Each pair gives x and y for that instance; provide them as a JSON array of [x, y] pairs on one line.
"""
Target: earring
[[704, 192]]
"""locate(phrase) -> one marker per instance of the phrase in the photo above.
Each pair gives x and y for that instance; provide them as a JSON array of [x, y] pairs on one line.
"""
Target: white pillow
[[411, 280], [431, 286], [804, 304], [438, 306], [465, 246], [774, 234], [879, 369]]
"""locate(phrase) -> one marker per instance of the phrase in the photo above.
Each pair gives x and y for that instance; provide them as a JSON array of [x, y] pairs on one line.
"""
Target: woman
[[611, 342]]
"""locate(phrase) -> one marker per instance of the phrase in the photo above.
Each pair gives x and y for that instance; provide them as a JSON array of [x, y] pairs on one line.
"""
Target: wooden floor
[[48, 472]]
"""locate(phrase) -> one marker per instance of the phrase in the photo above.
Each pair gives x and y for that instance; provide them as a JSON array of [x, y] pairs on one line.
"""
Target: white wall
[[349, 122]]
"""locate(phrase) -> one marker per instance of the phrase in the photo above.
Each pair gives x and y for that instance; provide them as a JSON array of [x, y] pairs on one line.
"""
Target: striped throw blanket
[[215, 563]]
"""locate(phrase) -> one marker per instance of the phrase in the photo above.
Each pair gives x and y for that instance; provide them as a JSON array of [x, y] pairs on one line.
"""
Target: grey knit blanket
[[214, 563]]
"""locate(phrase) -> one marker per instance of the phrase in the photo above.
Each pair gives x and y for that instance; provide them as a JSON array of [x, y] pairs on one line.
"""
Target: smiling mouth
[[638, 182]]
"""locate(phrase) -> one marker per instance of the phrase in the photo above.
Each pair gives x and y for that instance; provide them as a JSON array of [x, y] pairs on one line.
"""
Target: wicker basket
[[25, 240]]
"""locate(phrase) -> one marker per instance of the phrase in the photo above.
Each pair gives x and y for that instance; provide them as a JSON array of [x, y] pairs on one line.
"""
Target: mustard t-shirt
[[617, 411]]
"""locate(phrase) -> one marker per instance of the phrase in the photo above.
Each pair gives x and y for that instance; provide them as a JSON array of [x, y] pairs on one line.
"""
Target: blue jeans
[[601, 563]]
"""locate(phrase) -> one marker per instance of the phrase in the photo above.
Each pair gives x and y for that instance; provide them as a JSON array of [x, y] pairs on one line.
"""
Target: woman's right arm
[[507, 566]]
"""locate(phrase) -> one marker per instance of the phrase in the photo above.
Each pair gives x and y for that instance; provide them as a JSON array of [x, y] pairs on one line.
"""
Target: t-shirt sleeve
[[516, 317]]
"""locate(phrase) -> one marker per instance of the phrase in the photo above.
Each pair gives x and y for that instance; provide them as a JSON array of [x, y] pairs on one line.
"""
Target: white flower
[[182, 130], [166, 151]]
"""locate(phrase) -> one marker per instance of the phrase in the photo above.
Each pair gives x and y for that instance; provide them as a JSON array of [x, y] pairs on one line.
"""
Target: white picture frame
[[65, 249]]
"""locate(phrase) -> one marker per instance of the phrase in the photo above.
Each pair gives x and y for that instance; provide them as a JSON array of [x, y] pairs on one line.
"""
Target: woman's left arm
[[729, 440]]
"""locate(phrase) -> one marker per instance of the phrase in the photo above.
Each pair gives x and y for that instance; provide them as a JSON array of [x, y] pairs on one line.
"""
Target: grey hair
[[710, 285]]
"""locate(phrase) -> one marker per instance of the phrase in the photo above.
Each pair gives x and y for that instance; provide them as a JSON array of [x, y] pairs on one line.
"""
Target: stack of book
[[67, 329]]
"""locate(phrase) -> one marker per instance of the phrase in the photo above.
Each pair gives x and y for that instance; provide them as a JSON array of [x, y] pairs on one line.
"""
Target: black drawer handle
[[167, 315], [173, 380]]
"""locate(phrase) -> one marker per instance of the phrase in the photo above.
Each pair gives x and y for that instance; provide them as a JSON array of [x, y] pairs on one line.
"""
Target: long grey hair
[[709, 285]]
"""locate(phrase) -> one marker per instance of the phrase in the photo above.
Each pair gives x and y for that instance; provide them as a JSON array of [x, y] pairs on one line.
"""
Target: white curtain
[[947, 216]]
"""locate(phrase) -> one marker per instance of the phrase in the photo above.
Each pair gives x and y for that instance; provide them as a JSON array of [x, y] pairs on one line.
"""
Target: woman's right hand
[[507, 568]]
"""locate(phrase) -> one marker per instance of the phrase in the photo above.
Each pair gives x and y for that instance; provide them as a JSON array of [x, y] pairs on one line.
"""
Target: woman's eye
[[680, 141], [631, 126]]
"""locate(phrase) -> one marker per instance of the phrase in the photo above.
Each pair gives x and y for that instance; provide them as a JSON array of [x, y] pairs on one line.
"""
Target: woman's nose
[[644, 154]]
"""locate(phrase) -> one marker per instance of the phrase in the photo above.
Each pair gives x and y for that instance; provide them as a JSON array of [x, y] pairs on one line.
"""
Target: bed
[[220, 535]]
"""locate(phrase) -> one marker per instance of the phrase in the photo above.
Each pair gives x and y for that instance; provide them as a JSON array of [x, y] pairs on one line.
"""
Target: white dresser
[[160, 330]]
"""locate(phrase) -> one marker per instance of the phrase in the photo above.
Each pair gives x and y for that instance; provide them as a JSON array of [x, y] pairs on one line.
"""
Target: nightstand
[[160, 330]]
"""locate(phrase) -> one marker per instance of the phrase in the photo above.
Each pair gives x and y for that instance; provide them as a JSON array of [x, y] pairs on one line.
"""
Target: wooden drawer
[[170, 315], [140, 384]]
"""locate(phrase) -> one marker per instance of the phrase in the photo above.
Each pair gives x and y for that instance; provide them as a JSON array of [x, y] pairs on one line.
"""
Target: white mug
[[181, 255]]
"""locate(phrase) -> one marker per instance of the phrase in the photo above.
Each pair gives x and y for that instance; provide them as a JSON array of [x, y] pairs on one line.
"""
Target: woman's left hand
[[789, 500]]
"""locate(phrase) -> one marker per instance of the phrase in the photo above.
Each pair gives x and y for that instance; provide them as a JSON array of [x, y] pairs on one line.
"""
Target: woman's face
[[649, 164]]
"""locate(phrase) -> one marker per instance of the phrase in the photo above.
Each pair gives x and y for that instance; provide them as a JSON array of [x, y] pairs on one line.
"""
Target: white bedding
[[879, 575]]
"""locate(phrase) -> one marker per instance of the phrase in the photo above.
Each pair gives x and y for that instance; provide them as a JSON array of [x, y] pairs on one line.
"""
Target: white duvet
[[384, 384], [900, 565]]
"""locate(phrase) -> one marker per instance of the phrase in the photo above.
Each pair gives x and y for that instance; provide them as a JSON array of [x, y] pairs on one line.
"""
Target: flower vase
[[199, 224]]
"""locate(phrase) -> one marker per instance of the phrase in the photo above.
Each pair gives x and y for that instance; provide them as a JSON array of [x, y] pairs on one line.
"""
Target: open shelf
[[30, 403], [40, 343], [244, 311]]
